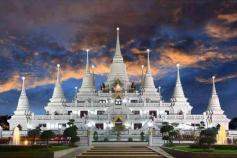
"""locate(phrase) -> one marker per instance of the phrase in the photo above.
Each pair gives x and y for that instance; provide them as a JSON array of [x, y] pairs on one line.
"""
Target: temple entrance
[[118, 122]]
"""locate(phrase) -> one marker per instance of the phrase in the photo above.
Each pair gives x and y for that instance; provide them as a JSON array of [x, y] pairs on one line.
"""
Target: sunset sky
[[37, 35]]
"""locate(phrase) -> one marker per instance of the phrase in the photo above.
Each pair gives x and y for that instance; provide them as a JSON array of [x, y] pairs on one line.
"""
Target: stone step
[[120, 153], [120, 156]]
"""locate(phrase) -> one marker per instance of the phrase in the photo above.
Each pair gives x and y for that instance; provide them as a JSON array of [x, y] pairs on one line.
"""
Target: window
[[136, 112], [134, 101], [42, 125], [102, 101], [137, 125], [100, 112], [118, 101], [83, 113], [69, 112], [167, 112], [153, 113], [99, 125]]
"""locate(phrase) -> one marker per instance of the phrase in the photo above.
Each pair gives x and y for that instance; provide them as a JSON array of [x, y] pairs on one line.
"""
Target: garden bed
[[35, 151], [221, 151]]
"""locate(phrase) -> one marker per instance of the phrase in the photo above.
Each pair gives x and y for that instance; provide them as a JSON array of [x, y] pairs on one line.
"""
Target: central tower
[[118, 68]]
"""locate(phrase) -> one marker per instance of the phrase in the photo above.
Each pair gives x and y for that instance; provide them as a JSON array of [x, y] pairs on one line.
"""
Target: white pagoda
[[118, 102]]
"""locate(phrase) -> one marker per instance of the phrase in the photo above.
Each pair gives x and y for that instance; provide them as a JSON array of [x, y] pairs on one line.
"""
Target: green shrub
[[95, 136], [142, 135], [130, 139], [106, 139]]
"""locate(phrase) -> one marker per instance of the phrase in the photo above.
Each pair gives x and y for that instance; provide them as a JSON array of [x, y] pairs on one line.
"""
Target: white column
[[89, 135], [150, 137]]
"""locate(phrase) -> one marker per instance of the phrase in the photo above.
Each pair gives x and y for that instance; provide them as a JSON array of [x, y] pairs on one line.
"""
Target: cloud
[[171, 56], [221, 31], [217, 79], [229, 18]]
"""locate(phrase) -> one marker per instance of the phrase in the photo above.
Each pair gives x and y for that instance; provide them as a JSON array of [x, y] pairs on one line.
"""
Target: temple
[[117, 102]]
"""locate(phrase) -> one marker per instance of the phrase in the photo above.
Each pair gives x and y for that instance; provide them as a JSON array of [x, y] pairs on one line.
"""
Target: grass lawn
[[212, 150], [61, 147], [34, 148]]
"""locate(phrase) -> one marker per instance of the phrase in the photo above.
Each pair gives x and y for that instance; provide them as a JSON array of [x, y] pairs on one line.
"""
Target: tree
[[168, 133], [71, 132], [47, 135], [34, 133], [71, 122], [95, 136], [118, 129], [208, 136]]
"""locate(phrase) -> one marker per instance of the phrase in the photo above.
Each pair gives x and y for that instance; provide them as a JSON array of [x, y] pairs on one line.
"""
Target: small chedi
[[118, 102]]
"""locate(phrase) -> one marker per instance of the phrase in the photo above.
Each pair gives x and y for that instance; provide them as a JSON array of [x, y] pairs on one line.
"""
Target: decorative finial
[[23, 78], [92, 66], [75, 87], [177, 65], [148, 50], [142, 66], [58, 65], [87, 50], [117, 28], [213, 77]]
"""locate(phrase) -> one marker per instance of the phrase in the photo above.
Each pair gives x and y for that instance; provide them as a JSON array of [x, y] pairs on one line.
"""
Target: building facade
[[118, 102]]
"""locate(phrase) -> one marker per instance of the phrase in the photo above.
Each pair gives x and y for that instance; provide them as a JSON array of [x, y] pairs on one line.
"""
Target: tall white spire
[[148, 61], [149, 89], [178, 94], [23, 102], [87, 62], [179, 101], [118, 55], [88, 85], [214, 104], [58, 95], [118, 68]]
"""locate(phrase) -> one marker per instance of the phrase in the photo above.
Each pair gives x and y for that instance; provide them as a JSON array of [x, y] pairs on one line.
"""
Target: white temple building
[[117, 102]]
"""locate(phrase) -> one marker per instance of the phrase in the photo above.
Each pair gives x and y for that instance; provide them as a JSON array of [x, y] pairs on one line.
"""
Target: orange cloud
[[219, 79], [220, 31], [172, 56], [229, 18]]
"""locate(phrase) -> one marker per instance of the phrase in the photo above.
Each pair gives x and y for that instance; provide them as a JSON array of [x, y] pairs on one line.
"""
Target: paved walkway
[[120, 151], [76, 152]]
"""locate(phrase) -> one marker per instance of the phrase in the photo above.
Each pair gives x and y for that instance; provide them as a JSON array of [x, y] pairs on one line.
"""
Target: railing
[[55, 117]]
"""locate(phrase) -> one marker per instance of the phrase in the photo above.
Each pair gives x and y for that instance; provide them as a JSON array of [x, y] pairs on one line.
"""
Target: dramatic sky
[[36, 35]]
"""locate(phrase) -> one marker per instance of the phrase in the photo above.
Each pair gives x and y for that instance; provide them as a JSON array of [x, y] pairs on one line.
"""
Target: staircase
[[120, 152]]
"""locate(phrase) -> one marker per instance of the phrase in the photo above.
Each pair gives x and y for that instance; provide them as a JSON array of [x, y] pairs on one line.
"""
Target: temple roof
[[23, 102], [58, 95], [118, 68], [178, 94], [214, 103], [88, 84], [149, 86]]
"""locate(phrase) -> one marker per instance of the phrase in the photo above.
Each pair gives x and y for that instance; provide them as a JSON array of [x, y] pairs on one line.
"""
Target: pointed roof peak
[[213, 86], [148, 61], [23, 90], [118, 54], [58, 74], [23, 102], [178, 91], [58, 94], [214, 102], [87, 61], [178, 81]]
